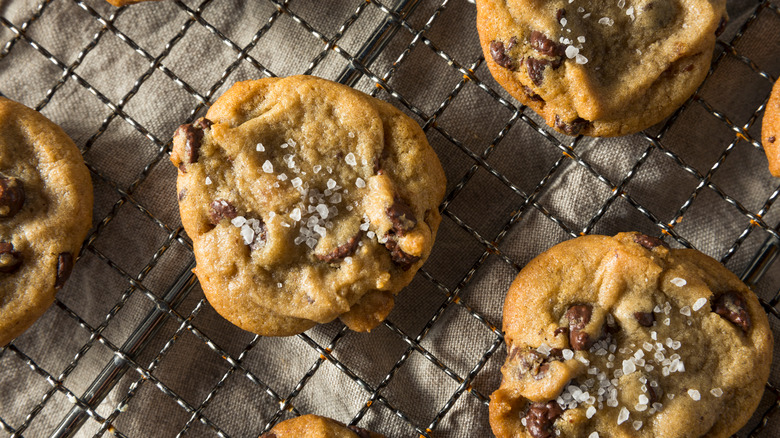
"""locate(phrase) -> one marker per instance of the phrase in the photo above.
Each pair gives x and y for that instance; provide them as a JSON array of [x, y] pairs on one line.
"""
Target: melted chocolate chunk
[[402, 216], [10, 260], [771, 139], [402, 259], [498, 52], [733, 308], [560, 13], [721, 26], [535, 69], [182, 194], [531, 95], [559, 330], [579, 317], [645, 319], [11, 196], [572, 128], [64, 268], [546, 46], [342, 251], [221, 209], [653, 394], [540, 418], [193, 136], [649, 242], [361, 433]]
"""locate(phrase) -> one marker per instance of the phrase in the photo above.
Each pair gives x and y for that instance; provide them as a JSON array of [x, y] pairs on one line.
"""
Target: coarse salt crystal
[[297, 182], [679, 282], [278, 284], [604, 20], [322, 209], [260, 147], [248, 234], [360, 183], [590, 412], [238, 221], [567, 354], [370, 234], [586, 15], [621, 4], [364, 226], [208, 181], [685, 310], [717, 392], [572, 51], [284, 146], [637, 425], [667, 321], [579, 59], [296, 214], [699, 304], [544, 349], [581, 39], [580, 9], [351, 135], [594, 435], [282, 177], [350, 159], [330, 169], [348, 260], [268, 167], [563, 21], [694, 394], [628, 367], [311, 242], [317, 168], [622, 416], [643, 399], [320, 230]]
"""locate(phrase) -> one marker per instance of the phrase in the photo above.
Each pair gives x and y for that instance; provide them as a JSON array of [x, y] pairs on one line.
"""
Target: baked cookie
[[119, 3], [623, 337], [770, 130], [600, 68], [314, 426], [306, 201], [45, 213]]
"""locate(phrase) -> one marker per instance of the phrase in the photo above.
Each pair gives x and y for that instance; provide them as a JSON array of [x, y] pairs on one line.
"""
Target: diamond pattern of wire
[[412, 19]]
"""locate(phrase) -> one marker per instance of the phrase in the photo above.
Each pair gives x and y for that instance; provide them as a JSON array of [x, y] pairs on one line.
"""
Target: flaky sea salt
[[350, 159], [360, 183], [260, 147], [623, 415], [699, 304], [268, 167], [590, 412], [717, 392], [572, 51], [208, 181], [694, 394], [579, 59], [296, 214]]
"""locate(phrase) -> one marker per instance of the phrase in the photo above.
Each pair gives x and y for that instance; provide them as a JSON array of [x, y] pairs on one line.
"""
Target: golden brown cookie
[[119, 3], [314, 426], [770, 130], [306, 201], [623, 337], [600, 68], [45, 213]]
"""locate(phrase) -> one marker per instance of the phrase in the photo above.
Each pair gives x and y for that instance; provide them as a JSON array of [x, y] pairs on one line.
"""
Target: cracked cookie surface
[[314, 426], [45, 214], [306, 201], [600, 68], [623, 337], [770, 130]]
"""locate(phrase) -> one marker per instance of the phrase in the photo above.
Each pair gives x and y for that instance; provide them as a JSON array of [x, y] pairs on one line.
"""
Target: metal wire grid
[[167, 307]]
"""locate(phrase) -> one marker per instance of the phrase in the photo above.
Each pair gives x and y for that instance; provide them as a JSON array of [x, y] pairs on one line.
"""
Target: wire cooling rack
[[132, 319]]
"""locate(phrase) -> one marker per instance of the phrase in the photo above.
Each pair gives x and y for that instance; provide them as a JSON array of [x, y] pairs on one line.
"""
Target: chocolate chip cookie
[[770, 130], [623, 336], [314, 426], [600, 68], [45, 213], [306, 201]]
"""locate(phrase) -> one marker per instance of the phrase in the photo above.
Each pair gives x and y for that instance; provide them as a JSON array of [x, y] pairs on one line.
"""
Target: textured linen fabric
[[119, 81]]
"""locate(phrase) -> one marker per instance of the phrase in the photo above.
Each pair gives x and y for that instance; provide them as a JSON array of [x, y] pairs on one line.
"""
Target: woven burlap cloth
[[119, 81]]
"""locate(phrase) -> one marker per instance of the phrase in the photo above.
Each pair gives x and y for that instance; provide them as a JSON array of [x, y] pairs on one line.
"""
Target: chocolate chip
[[732, 306], [402, 216], [10, 260], [645, 319], [579, 317], [771, 139], [531, 95], [182, 194], [64, 268], [498, 52], [402, 259], [559, 330], [572, 128], [653, 394], [361, 433], [721, 26], [540, 418], [535, 68], [560, 13], [11, 196], [193, 138], [546, 46], [221, 209], [649, 242], [342, 251]]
